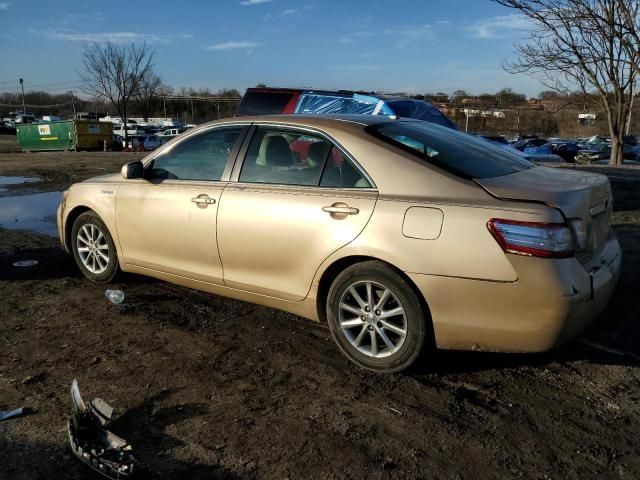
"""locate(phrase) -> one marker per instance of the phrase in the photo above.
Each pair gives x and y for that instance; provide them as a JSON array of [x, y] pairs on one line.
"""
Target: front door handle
[[203, 200], [340, 209]]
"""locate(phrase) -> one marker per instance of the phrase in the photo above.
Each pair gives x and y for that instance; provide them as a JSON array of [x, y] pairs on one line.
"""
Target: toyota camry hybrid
[[399, 234]]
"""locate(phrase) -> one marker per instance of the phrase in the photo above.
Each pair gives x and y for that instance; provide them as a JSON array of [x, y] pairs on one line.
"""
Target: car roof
[[314, 120]]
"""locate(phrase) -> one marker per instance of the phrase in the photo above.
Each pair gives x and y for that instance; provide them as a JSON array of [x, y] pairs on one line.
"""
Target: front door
[[167, 222], [298, 199]]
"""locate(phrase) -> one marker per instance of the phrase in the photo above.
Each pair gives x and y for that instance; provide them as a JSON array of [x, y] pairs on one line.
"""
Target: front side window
[[202, 156], [462, 154]]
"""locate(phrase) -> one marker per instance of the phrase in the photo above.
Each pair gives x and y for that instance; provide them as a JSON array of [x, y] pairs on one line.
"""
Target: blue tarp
[[326, 103], [311, 102]]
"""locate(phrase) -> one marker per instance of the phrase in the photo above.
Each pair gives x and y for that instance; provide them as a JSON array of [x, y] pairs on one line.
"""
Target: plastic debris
[[6, 415], [93, 444], [115, 296], [25, 263], [613, 351]]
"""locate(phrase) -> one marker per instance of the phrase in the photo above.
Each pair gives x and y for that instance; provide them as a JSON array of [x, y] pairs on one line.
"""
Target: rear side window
[[284, 157], [288, 157], [457, 152], [340, 172], [264, 103]]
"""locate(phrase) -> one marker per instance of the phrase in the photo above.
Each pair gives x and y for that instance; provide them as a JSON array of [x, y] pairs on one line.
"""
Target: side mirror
[[132, 170]]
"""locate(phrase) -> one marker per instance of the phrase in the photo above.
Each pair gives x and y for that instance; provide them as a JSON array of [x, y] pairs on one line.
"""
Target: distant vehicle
[[51, 118], [171, 124], [132, 129], [25, 118], [269, 101], [118, 143], [537, 157], [7, 129], [529, 142], [151, 142], [170, 132], [602, 151], [566, 150], [496, 138]]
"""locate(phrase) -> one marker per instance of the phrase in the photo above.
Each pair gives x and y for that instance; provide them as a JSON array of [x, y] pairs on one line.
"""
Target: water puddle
[[4, 181], [35, 212]]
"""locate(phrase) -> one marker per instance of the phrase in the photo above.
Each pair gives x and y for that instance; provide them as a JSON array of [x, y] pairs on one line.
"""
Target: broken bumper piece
[[93, 444]]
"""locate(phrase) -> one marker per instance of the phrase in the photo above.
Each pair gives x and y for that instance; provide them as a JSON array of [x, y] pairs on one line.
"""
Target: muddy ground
[[206, 387]]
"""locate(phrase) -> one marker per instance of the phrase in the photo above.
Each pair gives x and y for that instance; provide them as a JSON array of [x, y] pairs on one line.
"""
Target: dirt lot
[[206, 387]]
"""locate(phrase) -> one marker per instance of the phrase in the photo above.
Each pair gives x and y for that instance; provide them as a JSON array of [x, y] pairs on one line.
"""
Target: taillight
[[549, 240]]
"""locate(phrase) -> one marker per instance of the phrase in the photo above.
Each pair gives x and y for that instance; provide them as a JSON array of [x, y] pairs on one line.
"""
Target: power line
[[34, 106]]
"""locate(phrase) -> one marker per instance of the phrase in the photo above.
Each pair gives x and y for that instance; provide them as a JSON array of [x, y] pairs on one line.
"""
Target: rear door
[[298, 198]]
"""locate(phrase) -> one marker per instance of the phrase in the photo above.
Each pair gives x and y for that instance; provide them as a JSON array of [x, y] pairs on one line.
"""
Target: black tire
[[414, 321], [91, 219]]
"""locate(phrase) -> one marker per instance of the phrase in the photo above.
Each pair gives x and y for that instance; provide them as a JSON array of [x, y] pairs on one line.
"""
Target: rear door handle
[[340, 209]]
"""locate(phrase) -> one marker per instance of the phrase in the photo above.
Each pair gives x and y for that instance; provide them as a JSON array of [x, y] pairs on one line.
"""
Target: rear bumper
[[551, 302]]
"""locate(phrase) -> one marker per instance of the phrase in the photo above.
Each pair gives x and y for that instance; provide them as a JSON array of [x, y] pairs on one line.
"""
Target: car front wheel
[[93, 248], [376, 318]]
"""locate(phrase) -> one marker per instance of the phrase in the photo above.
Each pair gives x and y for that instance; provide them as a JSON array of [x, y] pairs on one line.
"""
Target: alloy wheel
[[372, 319], [93, 248]]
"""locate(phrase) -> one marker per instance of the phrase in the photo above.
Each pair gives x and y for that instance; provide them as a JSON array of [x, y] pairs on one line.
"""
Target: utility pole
[[24, 109], [164, 103], [192, 112], [73, 102]]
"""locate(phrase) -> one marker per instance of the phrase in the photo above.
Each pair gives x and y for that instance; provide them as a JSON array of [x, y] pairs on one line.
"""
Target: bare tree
[[150, 86], [583, 44], [116, 72]]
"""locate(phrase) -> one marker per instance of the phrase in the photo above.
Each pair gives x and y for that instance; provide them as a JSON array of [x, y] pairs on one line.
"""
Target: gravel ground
[[206, 387]]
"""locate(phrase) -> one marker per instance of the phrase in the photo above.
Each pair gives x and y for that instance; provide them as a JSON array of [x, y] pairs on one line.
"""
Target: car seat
[[278, 153]]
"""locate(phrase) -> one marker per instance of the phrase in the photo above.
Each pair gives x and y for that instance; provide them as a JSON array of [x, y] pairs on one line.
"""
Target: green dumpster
[[64, 135]]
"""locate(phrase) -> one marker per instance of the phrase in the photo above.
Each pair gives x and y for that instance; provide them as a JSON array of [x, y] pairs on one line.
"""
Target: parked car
[[170, 133], [133, 129], [399, 234], [539, 155], [496, 138], [151, 142], [529, 142], [25, 118], [268, 101], [6, 129], [118, 143], [602, 151], [567, 151]]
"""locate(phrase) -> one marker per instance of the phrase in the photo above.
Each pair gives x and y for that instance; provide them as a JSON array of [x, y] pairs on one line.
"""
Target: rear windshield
[[451, 150], [263, 103]]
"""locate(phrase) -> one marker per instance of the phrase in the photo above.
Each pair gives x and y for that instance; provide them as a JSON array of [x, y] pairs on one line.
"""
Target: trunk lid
[[578, 195]]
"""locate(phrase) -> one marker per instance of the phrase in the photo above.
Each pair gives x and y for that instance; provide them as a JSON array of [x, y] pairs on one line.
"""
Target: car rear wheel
[[93, 248], [376, 318]]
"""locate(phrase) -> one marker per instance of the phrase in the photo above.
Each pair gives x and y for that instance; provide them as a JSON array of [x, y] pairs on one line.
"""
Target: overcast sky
[[416, 46]]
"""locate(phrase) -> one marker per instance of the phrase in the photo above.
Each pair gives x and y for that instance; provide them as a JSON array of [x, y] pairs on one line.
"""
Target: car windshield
[[451, 150]]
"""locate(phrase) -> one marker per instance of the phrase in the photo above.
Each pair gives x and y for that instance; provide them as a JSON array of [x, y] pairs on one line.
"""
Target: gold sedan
[[399, 234]]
